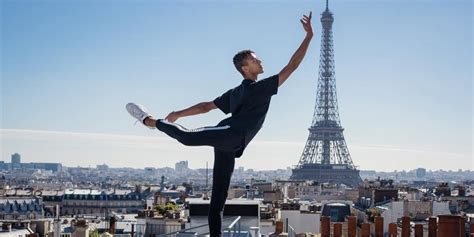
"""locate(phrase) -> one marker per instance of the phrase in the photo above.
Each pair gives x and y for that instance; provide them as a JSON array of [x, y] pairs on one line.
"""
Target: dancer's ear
[[245, 70]]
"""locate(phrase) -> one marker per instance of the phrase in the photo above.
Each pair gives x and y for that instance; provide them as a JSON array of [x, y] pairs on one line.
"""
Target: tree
[[163, 209]]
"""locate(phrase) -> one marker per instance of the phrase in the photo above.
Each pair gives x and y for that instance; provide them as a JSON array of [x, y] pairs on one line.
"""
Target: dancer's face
[[254, 65]]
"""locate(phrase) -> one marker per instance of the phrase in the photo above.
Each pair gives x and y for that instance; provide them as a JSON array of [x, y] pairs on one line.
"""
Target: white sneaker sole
[[138, 112]]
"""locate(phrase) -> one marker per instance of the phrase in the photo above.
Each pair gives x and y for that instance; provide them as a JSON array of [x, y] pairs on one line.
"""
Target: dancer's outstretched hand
[[306, 21], [173, 116]]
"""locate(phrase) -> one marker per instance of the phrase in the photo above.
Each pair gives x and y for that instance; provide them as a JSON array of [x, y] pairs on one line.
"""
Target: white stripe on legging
[[195, 130]]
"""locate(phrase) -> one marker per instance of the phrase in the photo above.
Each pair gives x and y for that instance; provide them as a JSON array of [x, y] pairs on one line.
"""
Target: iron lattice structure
[[325, 157]]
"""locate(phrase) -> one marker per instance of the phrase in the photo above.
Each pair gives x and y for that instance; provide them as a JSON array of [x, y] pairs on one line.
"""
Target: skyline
[[167, 148], [6, 161], [68, 69]]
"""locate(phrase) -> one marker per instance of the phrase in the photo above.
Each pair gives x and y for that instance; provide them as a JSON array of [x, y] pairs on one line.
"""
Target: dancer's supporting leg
[[223, 168]]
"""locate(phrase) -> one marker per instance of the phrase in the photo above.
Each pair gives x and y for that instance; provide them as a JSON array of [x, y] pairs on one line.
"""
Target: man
[[248, 104]]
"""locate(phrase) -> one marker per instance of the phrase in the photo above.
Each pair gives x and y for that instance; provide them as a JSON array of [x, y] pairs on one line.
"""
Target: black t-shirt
[[248, 103]]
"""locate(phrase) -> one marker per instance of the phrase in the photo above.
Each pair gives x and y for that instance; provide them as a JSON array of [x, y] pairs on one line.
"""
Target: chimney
[[25, 225], [325, 226], [279, 227], [112, 222], [57, 212], [7, 227], [461, 191], [449, 225], [80, 229]]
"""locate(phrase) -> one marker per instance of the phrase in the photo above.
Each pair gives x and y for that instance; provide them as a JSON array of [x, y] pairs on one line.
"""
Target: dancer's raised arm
[[300, 52]]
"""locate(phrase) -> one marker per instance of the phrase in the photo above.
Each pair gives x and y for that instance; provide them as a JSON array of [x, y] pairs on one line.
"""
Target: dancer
[[248, 103]]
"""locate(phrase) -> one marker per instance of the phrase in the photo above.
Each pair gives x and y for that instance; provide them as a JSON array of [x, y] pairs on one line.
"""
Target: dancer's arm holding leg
[[300, 52], [199, 108]]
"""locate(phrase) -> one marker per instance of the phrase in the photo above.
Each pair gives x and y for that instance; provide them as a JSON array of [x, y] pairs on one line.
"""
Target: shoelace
[[138, 111]]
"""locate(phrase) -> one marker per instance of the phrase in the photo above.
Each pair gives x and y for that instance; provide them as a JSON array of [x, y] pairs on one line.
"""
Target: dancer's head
[[247, 63]]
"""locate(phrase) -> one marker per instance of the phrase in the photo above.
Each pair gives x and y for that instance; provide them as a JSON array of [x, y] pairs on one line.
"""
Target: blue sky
[[403, 70]]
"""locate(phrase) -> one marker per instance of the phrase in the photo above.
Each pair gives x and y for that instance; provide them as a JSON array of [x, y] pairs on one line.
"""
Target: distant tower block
[[325, 158], [16, 161]]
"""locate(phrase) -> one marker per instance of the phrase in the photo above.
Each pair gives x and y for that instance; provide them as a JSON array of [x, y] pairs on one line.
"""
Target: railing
[[291, 231], [233, 228], [184, 230], [115, 235], [141, 230], [155, 229]]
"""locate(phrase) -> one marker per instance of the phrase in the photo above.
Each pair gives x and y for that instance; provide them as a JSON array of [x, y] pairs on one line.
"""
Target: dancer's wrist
[[177, 114]]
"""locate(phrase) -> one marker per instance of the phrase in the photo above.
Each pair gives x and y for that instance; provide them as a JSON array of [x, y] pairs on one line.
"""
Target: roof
[[126, 226], [14, 232], [18, 192], [97, 192], [170, 191], [52, 193], [337, 204], [17, 199], [78, 191], [195, 201], [21, 205], [470, 209]]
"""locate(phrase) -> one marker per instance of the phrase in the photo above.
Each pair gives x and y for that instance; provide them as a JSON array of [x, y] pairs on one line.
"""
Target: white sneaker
[[139, 112]]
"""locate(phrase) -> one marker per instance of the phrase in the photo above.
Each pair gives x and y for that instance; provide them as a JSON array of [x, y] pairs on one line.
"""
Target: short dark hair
[[239, 59]]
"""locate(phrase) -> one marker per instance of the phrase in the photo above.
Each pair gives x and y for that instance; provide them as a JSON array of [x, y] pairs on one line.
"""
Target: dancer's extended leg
[[221, 137]]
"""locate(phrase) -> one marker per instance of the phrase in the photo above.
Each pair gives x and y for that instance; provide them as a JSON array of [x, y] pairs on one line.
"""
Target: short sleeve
[[223, 102], [267, 86]]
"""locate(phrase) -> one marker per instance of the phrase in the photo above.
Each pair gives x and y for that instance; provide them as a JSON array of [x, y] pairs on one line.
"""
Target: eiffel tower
[[325, 158]]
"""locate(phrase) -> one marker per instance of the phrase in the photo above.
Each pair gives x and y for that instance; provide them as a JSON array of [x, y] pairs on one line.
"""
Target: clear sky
[[403, 71]]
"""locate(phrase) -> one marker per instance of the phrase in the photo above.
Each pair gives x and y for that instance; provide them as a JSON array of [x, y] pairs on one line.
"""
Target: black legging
[[221, 175], [225, 142], [222, 137]]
